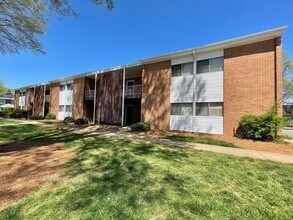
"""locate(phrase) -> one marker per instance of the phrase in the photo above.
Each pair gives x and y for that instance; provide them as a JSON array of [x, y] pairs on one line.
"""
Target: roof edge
[[234, 42]]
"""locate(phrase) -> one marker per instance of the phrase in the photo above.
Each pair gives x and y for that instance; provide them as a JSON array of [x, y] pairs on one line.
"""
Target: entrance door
[[129, 114]]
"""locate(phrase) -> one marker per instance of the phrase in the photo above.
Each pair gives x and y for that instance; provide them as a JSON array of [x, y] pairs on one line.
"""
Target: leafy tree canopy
[[287, 78], [22, 22], [3, 88]]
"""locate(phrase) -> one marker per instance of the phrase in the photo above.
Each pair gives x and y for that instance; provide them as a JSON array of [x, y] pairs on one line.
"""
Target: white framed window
[[210, 65], [185, 69], [209, 109], [61, 108], [68, 108], [69, 86], [181, 109], [62, 87]]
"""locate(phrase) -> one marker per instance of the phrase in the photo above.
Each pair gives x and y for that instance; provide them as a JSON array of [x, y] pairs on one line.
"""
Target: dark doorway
[[129, 114], [47, 107]]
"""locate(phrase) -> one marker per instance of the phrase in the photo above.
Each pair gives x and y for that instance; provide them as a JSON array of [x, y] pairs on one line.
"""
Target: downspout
[[194, 88], [95, 96], [44, 99], [33, 112], [276, 77], [123, 93]]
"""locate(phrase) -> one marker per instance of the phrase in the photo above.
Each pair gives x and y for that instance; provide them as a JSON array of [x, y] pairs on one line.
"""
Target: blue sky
[[139, 29]]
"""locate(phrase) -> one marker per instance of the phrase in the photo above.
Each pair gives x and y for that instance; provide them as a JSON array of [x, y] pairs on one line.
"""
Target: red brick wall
[[137, 80], [54, 98], [29, 106], [109, 97], [155, 102], [39, 100], [16, 100], [249, 81], [78, 98]]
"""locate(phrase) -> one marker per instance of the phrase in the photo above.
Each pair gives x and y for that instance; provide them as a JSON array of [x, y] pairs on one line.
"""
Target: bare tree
[[22, 22]]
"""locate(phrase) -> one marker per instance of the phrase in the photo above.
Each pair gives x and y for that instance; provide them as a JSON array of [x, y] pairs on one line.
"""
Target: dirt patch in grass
[[25, 166], [283, 148]]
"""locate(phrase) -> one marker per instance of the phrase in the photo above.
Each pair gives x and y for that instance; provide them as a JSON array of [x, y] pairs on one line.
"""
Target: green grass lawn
[[121, 179], [4, 121], [200, 140]]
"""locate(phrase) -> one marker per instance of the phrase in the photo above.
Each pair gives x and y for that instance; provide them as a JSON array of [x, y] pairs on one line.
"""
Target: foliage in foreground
[[36, 117], [81, 121], [263, 127], [51, 116], [5, 112], [140, 126], [23, 22], [18, 113], [200, 140], [68, 120], [120, 179]]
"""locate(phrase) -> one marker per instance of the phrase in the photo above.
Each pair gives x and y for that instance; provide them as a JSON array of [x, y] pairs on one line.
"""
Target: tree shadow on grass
[[23, 137], [120, 170]]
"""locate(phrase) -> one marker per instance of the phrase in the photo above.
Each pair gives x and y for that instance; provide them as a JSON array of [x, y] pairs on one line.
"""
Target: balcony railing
[[89, 94], [47, 98], [133, 91]]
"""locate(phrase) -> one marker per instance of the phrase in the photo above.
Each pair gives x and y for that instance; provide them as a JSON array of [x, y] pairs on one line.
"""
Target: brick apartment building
[[205, 89]]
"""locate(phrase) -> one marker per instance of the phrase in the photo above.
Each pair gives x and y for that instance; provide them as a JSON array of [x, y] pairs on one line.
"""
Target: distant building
[[6, 100], [287, 109]]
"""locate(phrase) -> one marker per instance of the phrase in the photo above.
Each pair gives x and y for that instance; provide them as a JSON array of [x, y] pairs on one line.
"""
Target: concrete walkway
[[239, 152]]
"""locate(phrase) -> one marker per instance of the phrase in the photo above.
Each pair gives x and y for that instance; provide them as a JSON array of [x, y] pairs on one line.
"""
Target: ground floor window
[[209, 108], [181, 109]]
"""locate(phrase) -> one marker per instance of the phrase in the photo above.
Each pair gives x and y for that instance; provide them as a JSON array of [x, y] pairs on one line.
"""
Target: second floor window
[[184, 69], [210, 65]]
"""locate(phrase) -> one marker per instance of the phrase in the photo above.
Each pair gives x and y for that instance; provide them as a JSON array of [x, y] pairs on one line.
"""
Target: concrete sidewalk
[[239, 152]]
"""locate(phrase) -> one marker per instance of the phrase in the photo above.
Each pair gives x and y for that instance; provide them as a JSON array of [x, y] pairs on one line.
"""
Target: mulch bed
[[27, 165]]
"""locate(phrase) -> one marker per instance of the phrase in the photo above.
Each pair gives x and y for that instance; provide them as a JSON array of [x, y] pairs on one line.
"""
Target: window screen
[[210, 65], [209, 109], [62, 87], [175, 109], [61, 108], [202, 66], [202, 109], [215, 109], [181, 109], [68, 108], [176, 70], [186, 109], [70, 86], [185, 69], [216, 64]]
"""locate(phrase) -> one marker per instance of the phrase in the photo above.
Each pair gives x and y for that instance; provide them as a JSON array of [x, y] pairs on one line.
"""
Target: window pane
[[62, 87], [216, 109], [70, 86], [175, 109], [186, 109], [68, 108], [202, 66], [216, 64], [176, 70], [186, 69], [202, 109], [61, 108]]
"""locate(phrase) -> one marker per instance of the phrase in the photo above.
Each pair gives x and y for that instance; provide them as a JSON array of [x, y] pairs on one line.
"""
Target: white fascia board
[[248, 39]]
